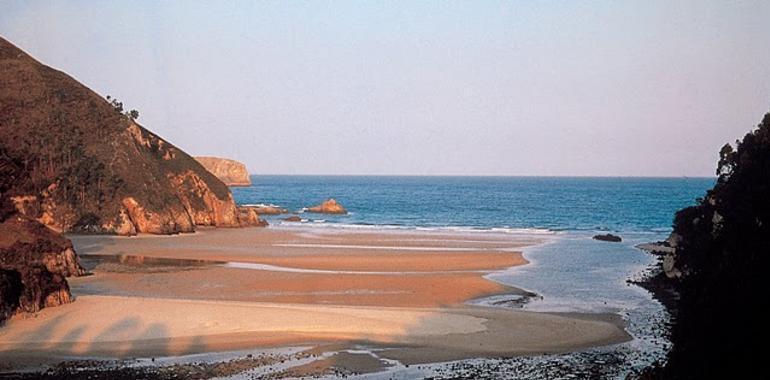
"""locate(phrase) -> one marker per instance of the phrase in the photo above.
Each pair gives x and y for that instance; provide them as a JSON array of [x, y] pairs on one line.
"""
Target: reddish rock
[[329, 206], [269, 210], [34, 260], [248, 217], [34, 264], [293, 218], [231, 172]]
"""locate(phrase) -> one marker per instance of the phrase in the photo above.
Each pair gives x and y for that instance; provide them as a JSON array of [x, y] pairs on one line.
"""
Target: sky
[[599, 88]]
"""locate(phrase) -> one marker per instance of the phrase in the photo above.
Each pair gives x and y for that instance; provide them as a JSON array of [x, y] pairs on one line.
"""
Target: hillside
[[89, 168], [34, 261], [231, 172]]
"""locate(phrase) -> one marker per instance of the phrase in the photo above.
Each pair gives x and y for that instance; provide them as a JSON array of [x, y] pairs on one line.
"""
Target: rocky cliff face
[[86, 167], [231, 172], [34, 264], [34, 260]]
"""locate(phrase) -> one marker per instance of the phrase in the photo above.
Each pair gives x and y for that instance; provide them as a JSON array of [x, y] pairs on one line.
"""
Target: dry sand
[[414, 306], [138, 326]]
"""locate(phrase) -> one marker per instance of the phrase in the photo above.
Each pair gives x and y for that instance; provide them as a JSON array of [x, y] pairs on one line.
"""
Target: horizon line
[[486, 176]]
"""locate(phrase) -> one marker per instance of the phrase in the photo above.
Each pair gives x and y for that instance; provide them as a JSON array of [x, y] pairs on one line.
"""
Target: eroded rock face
[[86, 167], [170, 221], [231, 172], [34, 264], [34, 260], [329, 206], [202, 204]]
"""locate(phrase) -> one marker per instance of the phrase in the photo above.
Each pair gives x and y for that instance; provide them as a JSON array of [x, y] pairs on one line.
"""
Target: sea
[[514, 204], [569, 272]]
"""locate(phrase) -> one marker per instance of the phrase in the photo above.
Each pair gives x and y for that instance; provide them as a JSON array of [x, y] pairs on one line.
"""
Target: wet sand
[[412, 307]]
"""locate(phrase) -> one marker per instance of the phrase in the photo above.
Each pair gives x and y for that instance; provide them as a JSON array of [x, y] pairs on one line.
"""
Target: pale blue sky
[[470, 88]]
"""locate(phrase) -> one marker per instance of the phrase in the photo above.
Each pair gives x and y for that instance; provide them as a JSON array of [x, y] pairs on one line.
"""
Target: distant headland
[[231, 172]]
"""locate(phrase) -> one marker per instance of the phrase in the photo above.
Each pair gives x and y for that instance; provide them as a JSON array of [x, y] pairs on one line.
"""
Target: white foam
[[262, 205], [322, 223], [290, 223], [503, 230], [389, 248]]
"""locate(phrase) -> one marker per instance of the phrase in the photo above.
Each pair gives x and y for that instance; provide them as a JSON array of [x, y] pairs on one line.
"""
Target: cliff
[[34, 264], [715, 264], [86, 167], [34, 260], [231, 172]]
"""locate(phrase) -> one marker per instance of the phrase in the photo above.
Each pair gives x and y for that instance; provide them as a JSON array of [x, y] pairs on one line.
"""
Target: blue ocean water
[[548, 203], [570, 272]]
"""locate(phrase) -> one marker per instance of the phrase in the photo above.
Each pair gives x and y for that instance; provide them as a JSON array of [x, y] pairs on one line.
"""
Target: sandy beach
[[403, 292]]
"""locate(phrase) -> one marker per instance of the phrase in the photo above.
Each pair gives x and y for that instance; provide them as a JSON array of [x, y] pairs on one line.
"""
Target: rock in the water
[[248, 217], [269, 209], [330, 206], [231, 172], [609, 237], [87, 167], [293, 218]]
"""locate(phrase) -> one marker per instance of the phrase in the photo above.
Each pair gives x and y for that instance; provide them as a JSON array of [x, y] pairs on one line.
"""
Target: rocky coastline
[[70, 161], [87, 167], [656, 280]]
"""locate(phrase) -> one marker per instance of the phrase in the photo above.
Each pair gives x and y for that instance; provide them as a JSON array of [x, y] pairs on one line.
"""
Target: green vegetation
[[133, 114]]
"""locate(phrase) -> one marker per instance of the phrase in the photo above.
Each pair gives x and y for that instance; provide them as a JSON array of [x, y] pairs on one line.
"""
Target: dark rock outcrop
[[10, 293], [329, 206], [34, 260], [293, 218], [609, 238], [231, 172], [666, 252], [87, 167]]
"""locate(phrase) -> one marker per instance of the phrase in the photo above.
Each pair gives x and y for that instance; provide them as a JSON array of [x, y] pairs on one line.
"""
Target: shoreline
[[324, 225], [420, 317]]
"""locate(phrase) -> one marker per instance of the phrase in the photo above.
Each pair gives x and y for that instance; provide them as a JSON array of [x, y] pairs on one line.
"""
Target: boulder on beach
[[608, 237], [329, 206]]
